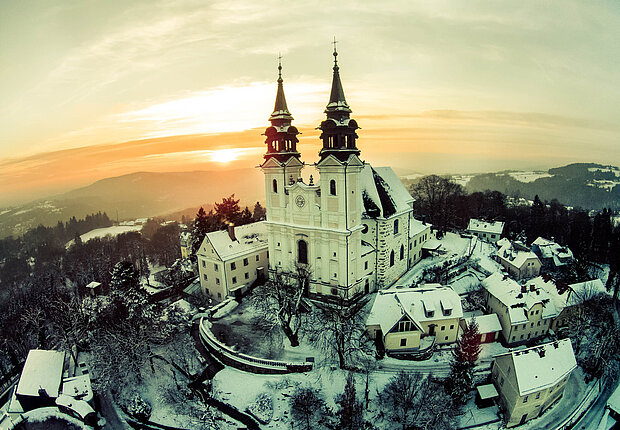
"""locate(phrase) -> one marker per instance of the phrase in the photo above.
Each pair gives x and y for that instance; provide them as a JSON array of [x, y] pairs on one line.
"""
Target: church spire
[[338, 130], [281, 136], [337, 101], [280, 110]]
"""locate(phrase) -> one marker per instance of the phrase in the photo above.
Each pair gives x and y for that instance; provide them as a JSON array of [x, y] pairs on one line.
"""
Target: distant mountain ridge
[[136, 195], [586, 185]]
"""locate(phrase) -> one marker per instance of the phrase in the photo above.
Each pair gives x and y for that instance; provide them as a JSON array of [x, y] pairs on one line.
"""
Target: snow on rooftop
[[93, 285], [416, 227], [568, 295], [78, 387], [390, 306], [550, 249], [42, 370], [486, 323], [543, 366], [495, 227], [514, 254], [248, 238], [487, 391], [383, 193], [511, 294]]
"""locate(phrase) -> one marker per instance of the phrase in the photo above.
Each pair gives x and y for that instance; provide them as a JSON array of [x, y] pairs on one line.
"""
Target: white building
[[353, 226], [230, 261], [488, 231], [552, 255], [518, 260]]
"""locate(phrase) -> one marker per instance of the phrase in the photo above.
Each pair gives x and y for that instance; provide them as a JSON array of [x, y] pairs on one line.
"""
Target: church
[[352, 228]]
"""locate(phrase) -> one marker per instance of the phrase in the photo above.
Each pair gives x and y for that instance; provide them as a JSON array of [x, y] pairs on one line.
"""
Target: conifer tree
[[464, 357], [350, 412], [259, 212]]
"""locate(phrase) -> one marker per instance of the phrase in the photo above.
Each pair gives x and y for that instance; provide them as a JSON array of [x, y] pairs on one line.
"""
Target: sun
[[224, 155]]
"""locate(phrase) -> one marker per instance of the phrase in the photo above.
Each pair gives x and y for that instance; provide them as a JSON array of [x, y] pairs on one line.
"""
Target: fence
[[245, 362]]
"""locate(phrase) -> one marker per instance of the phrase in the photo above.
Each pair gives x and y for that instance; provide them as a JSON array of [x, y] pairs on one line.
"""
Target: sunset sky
[[91, 89]]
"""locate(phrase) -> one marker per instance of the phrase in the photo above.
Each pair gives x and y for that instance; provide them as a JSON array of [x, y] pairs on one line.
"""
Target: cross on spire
[[279, 66], [335, 52]]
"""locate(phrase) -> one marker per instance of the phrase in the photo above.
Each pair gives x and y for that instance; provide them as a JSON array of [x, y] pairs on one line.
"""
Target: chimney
[[524, 288], [532, 287], [231, 231]]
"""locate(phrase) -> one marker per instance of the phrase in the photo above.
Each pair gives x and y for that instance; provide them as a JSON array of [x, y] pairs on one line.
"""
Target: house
[[518, 260], [566, 297], [529, 381], [419, 234], [185, 239], [525, 312], [489, 327], [487, 231], [41, 379], [401, 318], [230, 261], [552, 255]]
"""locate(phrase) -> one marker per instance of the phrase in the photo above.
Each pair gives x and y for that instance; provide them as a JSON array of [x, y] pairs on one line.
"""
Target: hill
[[136, 195]]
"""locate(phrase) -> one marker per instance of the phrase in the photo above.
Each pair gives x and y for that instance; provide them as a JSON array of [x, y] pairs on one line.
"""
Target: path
[[593, 416]]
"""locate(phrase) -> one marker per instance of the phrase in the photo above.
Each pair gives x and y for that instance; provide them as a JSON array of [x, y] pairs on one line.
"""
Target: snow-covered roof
[[79, 406], [42, 370], [495, 227], [517, 299], [248, 238], [503, 241], [78, 387], [93, 285], [563, 295], [515, 254], [561, 255], [542, 366], [432, 244], [390, 306], [486, 323], [383, 194], [416, 227], [487, 391]]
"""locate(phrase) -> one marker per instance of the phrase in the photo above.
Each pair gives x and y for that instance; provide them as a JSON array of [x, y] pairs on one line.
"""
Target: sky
[[92, 89]]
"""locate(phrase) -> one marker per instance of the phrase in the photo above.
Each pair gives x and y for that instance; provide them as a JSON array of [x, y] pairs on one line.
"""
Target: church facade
[[352, 229]]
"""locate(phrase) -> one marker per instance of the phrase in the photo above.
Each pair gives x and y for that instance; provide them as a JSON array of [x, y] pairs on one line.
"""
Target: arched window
[[332, 187], [395, 226], [402, 252], [302, 252], [275, 185], [391, 258]]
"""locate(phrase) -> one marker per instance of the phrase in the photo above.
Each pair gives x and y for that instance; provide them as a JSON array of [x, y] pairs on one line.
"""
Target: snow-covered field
[[529, 176], [114, 230], [462, 180]]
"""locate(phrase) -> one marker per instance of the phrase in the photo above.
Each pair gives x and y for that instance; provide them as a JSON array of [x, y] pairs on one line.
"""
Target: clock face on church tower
[[300, 201]]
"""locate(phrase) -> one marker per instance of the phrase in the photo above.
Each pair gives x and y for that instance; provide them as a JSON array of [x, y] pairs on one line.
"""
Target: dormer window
[[332, 187]]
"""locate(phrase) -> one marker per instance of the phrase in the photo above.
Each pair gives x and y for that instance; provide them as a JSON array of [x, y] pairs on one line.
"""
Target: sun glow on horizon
[[225, 155]]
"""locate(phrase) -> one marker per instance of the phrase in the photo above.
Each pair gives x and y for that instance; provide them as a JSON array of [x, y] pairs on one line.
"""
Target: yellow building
[[518, 260], [525, 312], [230, 261], [401, 318], [186, 244], [531, 380]]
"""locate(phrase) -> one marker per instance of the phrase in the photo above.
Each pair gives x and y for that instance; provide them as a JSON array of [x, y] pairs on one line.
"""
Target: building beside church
[[351, 226]]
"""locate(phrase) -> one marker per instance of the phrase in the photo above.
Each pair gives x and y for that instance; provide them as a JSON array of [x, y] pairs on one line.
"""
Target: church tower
[[282, 164]]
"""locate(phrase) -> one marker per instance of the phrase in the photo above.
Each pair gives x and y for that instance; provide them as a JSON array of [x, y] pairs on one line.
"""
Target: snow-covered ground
[[462, 180], [114, 230], [529, 176]]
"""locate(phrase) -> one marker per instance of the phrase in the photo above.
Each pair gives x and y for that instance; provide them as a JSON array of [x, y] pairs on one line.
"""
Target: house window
[[402, 252], [452, 327], [216, 267], [257, 258], [538, 323], [395, 227], [204, 263], [334, 292], [364, 228], [537, 395], [302, 252], [501, 381], [233, 266], [403, 342], [391, 258], [332, 187], [204, 276], [275, 186], [219, 295], [446, 338], [217, 281], [234, 280], [245, 262], [443, 327], [247, 275], [525, 399], [365, 265]]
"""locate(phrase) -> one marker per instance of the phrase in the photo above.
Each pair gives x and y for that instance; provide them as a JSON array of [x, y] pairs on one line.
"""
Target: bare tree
[[306, 405], [400, 397], [278, 301], [436, 198], [339, 331]]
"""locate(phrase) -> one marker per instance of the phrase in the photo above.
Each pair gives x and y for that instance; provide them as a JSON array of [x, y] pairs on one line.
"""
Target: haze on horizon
[[97, 89]]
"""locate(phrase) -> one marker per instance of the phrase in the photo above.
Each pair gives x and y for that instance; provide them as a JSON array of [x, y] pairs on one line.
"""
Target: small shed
[[93, 288], [488, 326], [486, 395]]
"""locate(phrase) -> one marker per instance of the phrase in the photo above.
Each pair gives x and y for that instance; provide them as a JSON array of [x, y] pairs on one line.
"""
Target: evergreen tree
[[350, 412], [228, 210], [245, 217], [200, 227], [260, 213], [464, 357]]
